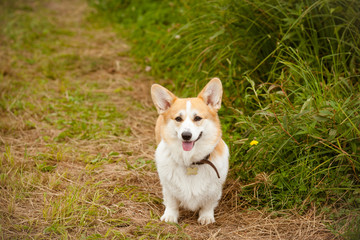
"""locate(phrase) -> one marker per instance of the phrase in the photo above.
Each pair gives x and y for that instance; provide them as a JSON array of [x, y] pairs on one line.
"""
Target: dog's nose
[[186, 135]]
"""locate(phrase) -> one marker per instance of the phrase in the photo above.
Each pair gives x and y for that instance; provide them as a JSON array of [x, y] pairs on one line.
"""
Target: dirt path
[[76, 139]]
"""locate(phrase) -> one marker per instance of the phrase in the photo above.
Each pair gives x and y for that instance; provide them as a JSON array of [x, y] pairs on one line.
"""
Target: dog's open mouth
[[187, 146]]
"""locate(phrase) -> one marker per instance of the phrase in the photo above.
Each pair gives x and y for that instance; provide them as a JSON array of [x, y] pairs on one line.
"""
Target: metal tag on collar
[[191, 171]]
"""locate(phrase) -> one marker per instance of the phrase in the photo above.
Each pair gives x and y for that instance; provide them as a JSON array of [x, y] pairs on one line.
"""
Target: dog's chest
[[191, 184], [192, 181]]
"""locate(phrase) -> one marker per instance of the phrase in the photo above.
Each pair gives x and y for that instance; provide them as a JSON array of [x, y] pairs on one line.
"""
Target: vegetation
[[67, 162], [76, 118], [290, 70]]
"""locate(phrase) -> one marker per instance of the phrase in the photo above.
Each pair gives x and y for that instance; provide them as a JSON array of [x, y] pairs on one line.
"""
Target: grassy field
[[291, 75], [74, 152], [76, 122]]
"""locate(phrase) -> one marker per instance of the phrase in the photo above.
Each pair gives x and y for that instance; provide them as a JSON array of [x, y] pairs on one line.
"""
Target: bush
[[291, 80]]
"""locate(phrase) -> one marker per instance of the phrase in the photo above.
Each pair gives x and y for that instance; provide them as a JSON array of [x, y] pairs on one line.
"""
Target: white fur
[[194, 192], [188, 125], [200, 192]]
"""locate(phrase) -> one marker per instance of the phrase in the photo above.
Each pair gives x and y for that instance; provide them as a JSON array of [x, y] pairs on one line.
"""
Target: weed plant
[[290, 70]]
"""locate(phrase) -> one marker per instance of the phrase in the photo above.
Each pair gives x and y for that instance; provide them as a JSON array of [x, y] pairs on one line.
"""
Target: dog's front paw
[[169, 217], [205, 220]]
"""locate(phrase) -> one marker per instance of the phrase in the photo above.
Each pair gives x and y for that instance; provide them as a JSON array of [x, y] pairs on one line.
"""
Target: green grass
[[75, 144], [291, 80], [63, 130]]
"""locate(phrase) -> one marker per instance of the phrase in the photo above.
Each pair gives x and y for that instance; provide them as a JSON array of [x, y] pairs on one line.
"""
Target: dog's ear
[[162, 98], [212, 93]]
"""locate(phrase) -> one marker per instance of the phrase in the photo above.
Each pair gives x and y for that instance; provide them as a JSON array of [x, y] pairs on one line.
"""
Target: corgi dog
[[192, 160]]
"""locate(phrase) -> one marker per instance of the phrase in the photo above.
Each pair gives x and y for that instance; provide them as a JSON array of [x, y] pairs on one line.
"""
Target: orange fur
[[187, 130], [219, 149], [180, 103]]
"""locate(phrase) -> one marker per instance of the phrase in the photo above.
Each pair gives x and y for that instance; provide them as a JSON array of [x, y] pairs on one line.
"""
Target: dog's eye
[[197, 118], [178, 119]]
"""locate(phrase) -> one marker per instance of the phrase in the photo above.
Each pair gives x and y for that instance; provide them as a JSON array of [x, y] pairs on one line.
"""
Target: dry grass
[[60, 178]]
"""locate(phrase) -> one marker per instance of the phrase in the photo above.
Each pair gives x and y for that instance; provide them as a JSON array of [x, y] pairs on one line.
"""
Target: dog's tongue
[[187, 146]]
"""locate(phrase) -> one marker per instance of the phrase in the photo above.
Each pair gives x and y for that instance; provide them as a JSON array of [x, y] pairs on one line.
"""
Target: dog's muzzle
[[186, 144]]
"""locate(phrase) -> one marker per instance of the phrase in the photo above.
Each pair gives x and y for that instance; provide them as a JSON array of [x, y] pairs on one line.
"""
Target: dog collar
[[205, 160]]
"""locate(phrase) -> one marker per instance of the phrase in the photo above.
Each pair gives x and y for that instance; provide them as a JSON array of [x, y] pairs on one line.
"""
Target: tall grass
[[291, 76]]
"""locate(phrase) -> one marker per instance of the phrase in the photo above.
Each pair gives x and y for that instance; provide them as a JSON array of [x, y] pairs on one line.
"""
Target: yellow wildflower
[[254, 142]]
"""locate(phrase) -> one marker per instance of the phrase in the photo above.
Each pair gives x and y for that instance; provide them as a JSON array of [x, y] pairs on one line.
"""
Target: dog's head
[[189, 121]]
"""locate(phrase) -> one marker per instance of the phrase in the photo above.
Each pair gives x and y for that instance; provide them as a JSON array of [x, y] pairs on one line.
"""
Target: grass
[[76, 134], [66, 132], [291, 79]]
